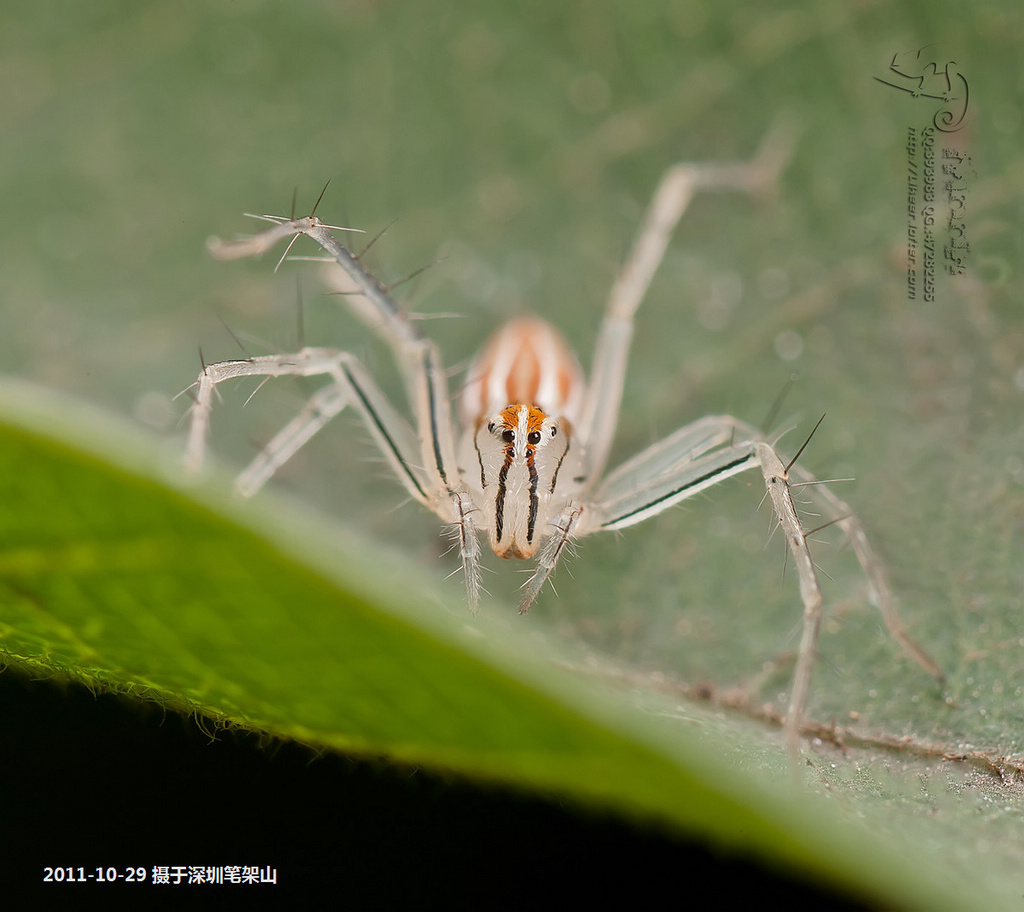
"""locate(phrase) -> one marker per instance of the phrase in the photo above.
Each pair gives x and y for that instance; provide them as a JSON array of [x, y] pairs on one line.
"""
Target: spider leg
[[692, 459], [433, 478], [777, 482], [664, 474], [322, 406], [387, 429], [708, 451], [874, 569], [561, 536], [351, 384], [422, 369], [600, 411], [464, 534]]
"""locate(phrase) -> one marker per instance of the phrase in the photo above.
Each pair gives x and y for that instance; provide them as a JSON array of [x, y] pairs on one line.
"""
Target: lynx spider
[[528, 469]]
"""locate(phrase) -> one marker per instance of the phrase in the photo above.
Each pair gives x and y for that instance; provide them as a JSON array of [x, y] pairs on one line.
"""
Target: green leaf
[[268, 617]]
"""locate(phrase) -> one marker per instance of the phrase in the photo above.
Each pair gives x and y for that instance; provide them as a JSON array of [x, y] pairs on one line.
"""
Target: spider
[[528, 468]]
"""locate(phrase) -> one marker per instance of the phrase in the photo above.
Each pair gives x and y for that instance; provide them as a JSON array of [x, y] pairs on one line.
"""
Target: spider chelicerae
[[525, 465]]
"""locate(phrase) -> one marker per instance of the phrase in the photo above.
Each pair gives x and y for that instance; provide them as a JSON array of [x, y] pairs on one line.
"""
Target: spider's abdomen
[[526, 361]]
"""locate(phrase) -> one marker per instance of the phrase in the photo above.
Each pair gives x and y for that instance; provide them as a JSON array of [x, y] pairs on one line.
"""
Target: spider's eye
[[554, 430], [533, 438], [508, 436], [490, 426]]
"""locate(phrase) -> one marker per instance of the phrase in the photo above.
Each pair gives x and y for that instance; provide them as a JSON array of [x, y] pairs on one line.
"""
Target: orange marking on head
[[534, 419], [511, 416]]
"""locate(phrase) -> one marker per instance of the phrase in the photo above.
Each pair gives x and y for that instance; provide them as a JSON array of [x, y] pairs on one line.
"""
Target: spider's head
[[520, 450]]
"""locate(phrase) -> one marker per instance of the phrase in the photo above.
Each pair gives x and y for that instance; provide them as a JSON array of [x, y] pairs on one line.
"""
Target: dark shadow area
[[99, 782]]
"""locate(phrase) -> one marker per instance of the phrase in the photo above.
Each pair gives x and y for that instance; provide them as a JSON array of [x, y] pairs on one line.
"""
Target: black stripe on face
[[534, 500], [499, 503]]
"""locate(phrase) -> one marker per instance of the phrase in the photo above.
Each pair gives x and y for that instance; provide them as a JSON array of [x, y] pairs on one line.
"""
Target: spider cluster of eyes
[[509, 436]]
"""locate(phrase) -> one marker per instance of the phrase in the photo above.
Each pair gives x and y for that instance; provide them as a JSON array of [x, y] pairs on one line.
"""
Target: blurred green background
[[514, 146]]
